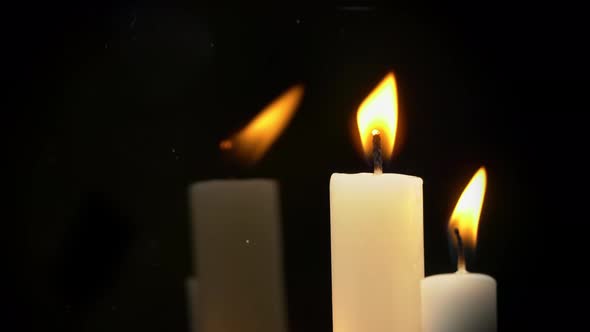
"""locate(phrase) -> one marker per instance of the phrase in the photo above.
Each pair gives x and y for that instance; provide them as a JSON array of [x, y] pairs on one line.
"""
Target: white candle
[[462, 301], [237, 238], [459, 302], [376, 232], [237, 235], [377, 252]]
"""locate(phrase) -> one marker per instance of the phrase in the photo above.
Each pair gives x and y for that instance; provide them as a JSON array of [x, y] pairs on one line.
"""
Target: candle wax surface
[[238, 255], [459, 302], [377, 252]]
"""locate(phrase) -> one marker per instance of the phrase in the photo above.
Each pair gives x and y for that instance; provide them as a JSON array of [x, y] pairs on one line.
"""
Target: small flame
[[465, 217], [251, 143], [378, 114]]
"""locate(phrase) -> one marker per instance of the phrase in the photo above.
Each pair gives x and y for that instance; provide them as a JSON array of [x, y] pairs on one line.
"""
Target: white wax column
[[459, 302], [237, 238], [377, 252]]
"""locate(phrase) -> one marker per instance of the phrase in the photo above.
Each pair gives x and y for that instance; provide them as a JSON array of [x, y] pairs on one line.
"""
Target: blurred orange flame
[[251, 143]]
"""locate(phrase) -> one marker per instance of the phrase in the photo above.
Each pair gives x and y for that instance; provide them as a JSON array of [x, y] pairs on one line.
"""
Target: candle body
[[377, 252], [237, 240], [459, 302]]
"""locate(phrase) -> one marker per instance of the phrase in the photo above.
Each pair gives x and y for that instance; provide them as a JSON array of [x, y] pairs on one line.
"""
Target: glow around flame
[[465, 217], [378, 112], [251, 143]]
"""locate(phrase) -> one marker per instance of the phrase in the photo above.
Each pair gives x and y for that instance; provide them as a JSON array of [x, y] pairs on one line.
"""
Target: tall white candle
[[377, 252], [462, 301], [376, 232], [237, 238]]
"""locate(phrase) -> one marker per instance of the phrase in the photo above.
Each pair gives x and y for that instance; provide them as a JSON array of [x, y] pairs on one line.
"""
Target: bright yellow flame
[[465, 217], [251, 143], [378, 113]]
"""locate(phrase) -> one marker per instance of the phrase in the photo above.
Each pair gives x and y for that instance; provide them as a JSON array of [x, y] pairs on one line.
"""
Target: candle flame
[[251, 143], [465, 217], [378, 114]]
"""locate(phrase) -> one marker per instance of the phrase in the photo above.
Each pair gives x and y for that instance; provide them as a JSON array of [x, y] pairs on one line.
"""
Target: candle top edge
[[460, 275], [384, 175], [229, 182]]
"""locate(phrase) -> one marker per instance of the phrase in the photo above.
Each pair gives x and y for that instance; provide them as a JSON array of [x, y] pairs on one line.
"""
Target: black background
[[119, 106]]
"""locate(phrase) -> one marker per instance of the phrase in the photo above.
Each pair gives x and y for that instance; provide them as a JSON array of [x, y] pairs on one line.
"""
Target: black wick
[[460, 252]]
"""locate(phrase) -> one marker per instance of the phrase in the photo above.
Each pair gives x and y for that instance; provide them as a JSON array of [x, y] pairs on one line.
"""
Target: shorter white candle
[[461, 301]]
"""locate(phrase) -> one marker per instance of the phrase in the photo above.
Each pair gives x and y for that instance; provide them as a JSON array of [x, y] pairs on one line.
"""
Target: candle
[[462, 301], [376, 232], [238, 250], [237, 235]]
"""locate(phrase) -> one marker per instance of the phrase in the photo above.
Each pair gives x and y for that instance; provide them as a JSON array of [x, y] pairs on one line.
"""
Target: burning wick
[[460, 253], [377, 155]]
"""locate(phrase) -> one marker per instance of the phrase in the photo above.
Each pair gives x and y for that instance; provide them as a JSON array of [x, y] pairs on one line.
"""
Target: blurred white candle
[[376, 232], [462, 301], [237, 232], [237, 235]]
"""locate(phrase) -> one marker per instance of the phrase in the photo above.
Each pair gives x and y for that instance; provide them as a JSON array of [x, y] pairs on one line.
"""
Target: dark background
[[119, 106]]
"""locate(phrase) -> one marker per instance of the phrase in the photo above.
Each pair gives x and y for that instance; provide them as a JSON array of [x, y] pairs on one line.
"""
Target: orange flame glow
[[378, 113], [251, 143], [465, 217]]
